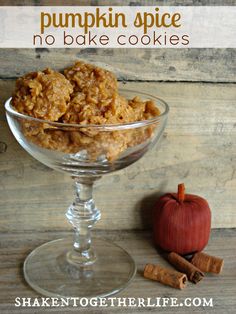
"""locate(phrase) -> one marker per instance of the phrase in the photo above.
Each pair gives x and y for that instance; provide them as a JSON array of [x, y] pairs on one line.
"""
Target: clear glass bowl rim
[[112, 127]]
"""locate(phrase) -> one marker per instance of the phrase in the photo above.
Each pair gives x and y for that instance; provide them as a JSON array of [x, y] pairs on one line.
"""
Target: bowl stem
[[82, 214]]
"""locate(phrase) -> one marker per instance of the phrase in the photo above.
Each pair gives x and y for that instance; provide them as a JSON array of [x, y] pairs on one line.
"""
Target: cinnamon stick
[[207, 263], [193, 273], [166, 276]]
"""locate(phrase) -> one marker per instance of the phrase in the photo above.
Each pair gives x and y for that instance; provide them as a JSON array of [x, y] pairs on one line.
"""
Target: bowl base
[[47, 270]]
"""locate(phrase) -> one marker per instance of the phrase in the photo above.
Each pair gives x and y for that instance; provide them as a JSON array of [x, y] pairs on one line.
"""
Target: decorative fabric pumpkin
[[182, 222]]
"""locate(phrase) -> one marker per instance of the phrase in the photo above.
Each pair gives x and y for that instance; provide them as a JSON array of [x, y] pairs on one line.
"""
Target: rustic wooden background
[[118, 2], [220, 288], [198, 146]]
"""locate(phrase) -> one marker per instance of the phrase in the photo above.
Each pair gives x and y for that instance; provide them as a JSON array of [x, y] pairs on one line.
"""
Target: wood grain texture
[[221, 288], [117, 2], [210, 65], [198, 147]]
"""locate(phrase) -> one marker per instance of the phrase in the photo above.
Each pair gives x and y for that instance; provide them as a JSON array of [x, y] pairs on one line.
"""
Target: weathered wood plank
[[221, 288], [198, 147], [118, 2], [211, 65]]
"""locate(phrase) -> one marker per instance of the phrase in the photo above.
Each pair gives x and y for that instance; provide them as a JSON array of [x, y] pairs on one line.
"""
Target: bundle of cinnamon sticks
[[192, 269]]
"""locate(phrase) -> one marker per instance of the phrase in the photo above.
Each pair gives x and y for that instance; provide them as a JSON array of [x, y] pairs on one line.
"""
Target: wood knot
[[3, 147]]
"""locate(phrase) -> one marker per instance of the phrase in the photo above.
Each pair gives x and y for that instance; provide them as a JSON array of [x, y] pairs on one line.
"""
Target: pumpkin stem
[[181, 192]]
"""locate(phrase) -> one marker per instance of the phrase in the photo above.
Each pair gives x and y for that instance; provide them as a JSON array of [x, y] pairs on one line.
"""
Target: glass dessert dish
[[85, 266]]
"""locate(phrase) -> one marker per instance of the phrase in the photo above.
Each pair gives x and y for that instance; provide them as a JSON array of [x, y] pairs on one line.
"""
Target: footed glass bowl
[[84, 267]]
